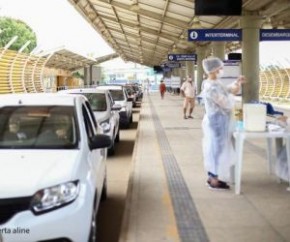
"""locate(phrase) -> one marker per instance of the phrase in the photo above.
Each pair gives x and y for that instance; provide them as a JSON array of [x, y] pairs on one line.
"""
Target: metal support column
[[250, 64]]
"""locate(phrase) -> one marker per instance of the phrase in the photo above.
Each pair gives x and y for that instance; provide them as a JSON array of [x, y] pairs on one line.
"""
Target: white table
[[241, 136]]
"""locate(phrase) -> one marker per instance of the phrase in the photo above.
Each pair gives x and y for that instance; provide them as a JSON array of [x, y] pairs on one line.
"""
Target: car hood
[[101, 116], [23, 173]]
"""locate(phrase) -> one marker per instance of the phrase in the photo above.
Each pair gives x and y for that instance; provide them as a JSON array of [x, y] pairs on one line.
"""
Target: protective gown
[[281, 164], [218, 126]]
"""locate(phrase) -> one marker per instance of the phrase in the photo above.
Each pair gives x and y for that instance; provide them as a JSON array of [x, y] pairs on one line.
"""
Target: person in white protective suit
[[282, 169], [217, 124]]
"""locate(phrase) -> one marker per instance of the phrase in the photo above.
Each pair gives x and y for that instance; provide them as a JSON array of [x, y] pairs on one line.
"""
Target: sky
[[57, 23]]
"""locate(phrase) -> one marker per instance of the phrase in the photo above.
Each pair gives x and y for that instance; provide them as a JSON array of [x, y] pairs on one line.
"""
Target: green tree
[[78, 75], [13, 27]]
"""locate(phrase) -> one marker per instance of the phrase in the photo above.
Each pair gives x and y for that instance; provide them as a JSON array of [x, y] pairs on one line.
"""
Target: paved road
[[118, 169]]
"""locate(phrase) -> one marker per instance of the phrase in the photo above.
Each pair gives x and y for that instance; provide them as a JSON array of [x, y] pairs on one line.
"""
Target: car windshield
[[97, 100], [38, 127], [117, 95]]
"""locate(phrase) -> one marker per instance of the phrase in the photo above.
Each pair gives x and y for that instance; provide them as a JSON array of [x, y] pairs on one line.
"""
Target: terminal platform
[[168, 199]]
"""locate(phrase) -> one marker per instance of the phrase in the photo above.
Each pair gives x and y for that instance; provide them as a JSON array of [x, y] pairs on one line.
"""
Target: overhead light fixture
[[267, 24], [281, 25], [182, 40], [134, 6], [196, 23], [174, 48]]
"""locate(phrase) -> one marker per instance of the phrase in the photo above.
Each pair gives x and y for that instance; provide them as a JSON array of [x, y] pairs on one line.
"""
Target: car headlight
[[54, 197], [106, 126]]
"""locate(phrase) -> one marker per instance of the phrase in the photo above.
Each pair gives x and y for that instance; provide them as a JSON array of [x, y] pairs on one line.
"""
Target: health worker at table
[[282, 169], [217, 124]]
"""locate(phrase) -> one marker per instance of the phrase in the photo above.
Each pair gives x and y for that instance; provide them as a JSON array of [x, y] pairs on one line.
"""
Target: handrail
[[267, 81], [281, 80], [33, 72], [13, 64], [288, 74]]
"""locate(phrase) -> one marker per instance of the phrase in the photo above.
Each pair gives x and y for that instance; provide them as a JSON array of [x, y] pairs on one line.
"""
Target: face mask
[[220, 73]]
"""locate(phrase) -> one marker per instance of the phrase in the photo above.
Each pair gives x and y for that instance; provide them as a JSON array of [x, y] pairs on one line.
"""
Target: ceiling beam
[[145, 13], [121, 26], [106, 58], [143, 39], [143, 29], [160, 28]]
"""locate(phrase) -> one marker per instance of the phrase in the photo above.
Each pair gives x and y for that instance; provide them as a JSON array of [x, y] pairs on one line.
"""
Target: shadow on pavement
[[110, 226], [124, 148]]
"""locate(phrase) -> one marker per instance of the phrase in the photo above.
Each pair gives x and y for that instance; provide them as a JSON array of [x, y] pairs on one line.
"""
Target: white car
[[105, 111], [53, 170], [120, 96]]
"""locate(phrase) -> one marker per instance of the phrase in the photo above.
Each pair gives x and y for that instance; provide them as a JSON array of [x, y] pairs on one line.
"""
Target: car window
[[38, 127], [129, 91], [126, 93], [135, 88], [117, 95], [97, 100], [110, 99]]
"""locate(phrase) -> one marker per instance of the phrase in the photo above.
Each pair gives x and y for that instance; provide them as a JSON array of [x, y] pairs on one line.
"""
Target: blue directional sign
[[171, 65], [166, 69], [182, 57], [214, 34], [274, 34]]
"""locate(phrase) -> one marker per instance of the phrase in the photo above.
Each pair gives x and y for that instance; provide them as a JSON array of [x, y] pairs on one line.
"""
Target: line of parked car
[[53, 160]]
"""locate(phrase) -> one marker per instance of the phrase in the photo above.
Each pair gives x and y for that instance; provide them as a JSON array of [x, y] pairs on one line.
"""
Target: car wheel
[[93, 232], [117, 139], [111, 150], [104, 195]]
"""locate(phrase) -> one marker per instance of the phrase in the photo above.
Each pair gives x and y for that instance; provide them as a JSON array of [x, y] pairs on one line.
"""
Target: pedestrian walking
[[187, 90], [147, 86], [162, 89]]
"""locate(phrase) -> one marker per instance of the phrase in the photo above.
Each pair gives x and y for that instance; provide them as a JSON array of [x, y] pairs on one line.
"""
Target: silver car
[[105, 110], [120, 96]]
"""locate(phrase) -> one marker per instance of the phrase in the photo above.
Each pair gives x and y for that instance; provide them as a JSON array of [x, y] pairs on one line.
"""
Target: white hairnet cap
[[212, 64]]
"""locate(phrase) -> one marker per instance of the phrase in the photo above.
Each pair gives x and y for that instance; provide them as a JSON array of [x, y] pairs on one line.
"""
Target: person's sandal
[[185, 117], [190, 117], [217, 185]]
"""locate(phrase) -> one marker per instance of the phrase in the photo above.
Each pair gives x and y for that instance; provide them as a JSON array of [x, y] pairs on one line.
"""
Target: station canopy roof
[[64, 59], [145, 31]]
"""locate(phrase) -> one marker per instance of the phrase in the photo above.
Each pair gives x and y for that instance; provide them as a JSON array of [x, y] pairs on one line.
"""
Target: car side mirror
[[129, 99], [116, 107], [100, 141]]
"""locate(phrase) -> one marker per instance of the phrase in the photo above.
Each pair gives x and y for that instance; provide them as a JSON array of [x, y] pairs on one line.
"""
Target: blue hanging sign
[[214, 35], [166, 69], [171, 65], [182, 57], [274, 34]]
